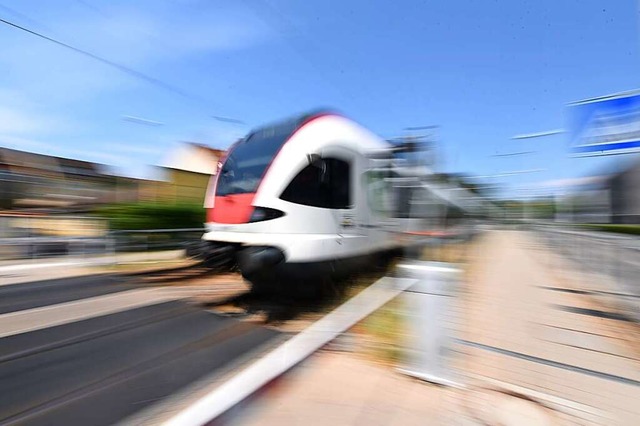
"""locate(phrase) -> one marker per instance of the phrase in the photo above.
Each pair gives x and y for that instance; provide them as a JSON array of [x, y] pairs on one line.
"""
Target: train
[[303, 200]]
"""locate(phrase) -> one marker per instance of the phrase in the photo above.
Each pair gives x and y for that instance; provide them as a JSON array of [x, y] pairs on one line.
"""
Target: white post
[[430, 335]]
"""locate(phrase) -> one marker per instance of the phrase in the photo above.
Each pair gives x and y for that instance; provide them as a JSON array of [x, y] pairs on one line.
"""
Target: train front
[[235, 225]]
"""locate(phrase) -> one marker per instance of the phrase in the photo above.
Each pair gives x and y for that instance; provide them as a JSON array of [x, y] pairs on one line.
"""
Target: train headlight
[[264, 213]]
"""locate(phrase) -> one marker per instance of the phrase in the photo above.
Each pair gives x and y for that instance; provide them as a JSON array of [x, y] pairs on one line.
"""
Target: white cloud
[[59, 102], [95, 156], [24, 122], [570, 182], [24, 144], [142, 37], [42, 147], [132, 148]]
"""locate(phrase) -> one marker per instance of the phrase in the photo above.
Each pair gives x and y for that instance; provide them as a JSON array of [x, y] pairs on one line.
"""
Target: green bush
[[615, 228], [153, 216]]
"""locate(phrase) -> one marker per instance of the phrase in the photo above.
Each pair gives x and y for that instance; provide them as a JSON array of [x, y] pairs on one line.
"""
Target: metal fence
[[615, 258], [153, 239], [110, 243], [41, 247]]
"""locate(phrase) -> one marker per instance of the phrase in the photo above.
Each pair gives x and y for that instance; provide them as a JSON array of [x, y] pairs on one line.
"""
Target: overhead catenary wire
[[123, 68], [513, 154]]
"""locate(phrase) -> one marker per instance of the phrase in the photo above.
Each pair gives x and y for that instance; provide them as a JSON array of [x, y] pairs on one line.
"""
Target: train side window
[[326, 185], [379, 192]]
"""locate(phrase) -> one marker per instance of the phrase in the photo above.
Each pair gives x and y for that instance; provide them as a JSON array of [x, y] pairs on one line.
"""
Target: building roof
[[30, 163], [194, 157]]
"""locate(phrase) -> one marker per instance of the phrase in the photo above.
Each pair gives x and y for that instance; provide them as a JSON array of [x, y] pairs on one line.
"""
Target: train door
[[338, 170]]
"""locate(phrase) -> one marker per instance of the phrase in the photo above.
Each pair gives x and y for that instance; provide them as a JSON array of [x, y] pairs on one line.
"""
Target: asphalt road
[[18, 297], [100, 370]]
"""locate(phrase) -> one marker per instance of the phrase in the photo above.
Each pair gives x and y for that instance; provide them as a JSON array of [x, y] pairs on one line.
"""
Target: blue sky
[[482, 70]]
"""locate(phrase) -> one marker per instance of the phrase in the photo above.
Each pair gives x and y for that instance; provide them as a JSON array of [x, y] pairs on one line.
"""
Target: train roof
[[291, 124], [283, 130]]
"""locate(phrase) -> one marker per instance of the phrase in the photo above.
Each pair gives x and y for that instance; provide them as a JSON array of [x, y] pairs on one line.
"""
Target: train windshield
[[249, 158]]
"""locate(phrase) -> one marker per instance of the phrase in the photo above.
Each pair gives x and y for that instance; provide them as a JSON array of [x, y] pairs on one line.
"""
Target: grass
[[451, 252], [381, 334], [145, 215], [614, 228]]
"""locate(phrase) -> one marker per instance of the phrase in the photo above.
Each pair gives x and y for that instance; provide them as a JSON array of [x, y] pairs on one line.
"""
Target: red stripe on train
[[235, 208]]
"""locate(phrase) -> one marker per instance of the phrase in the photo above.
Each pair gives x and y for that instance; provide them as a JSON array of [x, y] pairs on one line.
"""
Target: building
[[187, 172], [624, 188], [611, 197], [30, 180]]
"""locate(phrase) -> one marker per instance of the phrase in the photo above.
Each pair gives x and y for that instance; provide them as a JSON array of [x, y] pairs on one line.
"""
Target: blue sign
[[606, 125]]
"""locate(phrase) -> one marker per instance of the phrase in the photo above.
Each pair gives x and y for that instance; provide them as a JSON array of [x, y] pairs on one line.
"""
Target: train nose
[[253, 260]]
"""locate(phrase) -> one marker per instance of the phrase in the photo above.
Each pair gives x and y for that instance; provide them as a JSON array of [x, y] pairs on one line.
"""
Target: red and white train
[[302, 199]]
